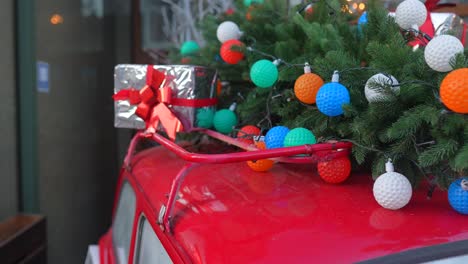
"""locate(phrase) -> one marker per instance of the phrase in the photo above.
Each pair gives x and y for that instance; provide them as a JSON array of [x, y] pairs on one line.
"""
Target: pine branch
[[438, 153]]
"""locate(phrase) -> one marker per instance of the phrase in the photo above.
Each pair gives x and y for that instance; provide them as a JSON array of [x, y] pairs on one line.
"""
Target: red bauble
[[334, 171], [231, 56], [247, 133]]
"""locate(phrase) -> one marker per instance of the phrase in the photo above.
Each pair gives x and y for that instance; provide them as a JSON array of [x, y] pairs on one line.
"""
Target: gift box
[[162, 96]]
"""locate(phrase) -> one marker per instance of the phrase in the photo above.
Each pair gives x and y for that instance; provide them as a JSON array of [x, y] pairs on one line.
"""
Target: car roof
[[227, 213]]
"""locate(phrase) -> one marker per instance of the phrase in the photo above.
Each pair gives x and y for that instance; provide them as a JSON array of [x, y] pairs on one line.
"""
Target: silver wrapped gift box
[[185, 81]]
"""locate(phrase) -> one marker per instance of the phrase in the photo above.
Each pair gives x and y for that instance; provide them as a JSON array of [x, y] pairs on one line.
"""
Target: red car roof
[[227, 213]]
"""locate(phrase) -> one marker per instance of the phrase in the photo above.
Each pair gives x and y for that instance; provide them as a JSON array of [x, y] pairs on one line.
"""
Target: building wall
[[8, 150], [77, 140]]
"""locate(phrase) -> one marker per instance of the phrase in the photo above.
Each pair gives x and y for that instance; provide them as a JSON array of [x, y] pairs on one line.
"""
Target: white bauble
[[392, 190], [380, 79], [440, 51], [228, 30], [410, 13]]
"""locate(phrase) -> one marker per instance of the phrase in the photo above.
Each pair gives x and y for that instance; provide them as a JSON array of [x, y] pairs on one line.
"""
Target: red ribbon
[[153, 101]]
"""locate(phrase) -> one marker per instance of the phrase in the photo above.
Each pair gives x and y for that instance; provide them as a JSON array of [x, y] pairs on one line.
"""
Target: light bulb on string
[[264, 73], [332, 96], [228, 30], [307, 86]]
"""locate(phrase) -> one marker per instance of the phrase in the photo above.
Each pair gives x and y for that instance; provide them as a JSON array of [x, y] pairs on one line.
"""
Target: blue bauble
[[331, 97], [274, 138], [362, 21], [458, 197]]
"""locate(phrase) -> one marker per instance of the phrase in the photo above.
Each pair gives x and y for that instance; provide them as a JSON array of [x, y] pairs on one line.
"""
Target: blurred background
[[60, 153]]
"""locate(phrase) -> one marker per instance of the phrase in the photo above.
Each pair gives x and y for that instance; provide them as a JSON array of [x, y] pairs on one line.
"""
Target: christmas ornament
[[228, 30], [274, 138], [229, 55], [189, 48], [264, 73], [332, 96], [224, 120], [299, 136], [379, 81], [205, 117], [263, 164], [410, 14], [392, 190], [458, 195], [454, 91], [334, 171], [307, 86], [362, 21], [440, 51], [247, 3], [247, 133]]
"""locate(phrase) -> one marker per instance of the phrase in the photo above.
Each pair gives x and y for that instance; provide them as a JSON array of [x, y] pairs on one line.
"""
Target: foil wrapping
[[186, 81]]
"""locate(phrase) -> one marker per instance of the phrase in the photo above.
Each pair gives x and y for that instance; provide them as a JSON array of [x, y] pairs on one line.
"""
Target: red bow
[[150, 95]]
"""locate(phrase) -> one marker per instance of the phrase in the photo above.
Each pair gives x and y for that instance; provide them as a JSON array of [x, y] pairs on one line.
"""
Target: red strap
[[194, 102]]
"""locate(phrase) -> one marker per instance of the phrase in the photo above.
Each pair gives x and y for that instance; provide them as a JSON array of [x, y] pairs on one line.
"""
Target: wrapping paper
[[185, 81]]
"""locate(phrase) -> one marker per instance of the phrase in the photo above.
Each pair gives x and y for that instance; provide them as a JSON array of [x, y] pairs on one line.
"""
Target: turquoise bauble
[[458, 195], [331, 97], [224, 120], [274, 138], [247, 3], [205, 117], [298, 137], [189, 48], [264, 73]]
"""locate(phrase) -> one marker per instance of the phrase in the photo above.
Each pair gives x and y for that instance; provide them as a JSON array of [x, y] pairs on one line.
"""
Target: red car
[[176, 206]]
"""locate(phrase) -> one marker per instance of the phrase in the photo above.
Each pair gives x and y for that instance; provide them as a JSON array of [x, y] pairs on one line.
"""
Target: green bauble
[[264, 73], [249, 2], [299, 136], [189, 48], [205, 117], [224, 120]]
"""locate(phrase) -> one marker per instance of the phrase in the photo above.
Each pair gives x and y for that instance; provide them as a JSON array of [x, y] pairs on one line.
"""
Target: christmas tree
[[397, 115]]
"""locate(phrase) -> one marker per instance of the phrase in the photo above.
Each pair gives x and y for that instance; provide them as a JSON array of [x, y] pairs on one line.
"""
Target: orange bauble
[[263, 164], [307, 86], [334, 171], [454, 91], [247, 133]]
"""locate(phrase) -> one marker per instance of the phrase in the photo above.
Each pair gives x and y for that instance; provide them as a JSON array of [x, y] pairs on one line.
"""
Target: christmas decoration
[[458, 195], [225, 120], [410, 13], [189, 48], [299, 136], [274, 138], [205, 117], [392, 190], [247, 133], [362, 20], [229, 55], [379, 81], [307, 86], [440, 51], [146, 95], [334, 171], [264, 73], [332, 96], [263, 164], [454, 91], [416, 128], [247, 3], [228, 30]]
